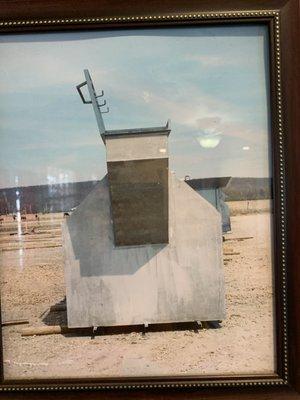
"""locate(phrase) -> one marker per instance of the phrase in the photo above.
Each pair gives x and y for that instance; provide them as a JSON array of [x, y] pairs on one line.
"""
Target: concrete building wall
[[136, 147], [174, 282]]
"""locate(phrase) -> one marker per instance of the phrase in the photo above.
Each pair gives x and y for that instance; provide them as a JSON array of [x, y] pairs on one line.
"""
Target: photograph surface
[[136, 203]]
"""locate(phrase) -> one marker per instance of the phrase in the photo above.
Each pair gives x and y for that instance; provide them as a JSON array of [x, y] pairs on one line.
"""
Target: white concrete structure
[[174, 282], [124, 147]]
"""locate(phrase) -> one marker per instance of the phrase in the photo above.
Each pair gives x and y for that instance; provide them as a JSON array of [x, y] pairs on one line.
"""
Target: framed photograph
[[148, 174]]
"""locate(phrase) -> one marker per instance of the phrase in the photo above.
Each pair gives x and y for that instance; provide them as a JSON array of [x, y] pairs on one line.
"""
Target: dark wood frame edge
[[289, 11]]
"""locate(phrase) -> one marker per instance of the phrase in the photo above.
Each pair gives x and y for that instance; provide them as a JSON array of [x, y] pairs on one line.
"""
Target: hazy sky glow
[[211, 82]]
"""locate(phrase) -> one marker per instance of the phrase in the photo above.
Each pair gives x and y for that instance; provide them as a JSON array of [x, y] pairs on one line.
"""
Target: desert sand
[[32, 280]]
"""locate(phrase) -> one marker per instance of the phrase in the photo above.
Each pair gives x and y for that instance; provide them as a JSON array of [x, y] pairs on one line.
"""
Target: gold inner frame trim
[[160, 17]]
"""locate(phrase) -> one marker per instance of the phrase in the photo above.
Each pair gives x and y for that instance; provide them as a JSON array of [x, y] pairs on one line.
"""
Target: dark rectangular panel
[[139, 201]]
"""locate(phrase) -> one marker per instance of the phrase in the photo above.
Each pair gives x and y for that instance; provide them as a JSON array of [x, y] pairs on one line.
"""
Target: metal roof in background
[[208, 183]]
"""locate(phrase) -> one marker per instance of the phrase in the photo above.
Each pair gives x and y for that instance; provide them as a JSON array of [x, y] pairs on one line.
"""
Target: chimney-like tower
[[137, 165]]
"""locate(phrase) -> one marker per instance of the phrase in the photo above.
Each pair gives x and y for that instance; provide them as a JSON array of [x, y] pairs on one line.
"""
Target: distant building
[[211, 190]]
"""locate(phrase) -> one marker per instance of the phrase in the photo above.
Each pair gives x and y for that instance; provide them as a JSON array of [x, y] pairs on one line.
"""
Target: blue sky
[[211, 82]]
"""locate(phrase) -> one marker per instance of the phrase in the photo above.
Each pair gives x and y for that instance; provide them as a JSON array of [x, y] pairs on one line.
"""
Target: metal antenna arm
[[93, 100]]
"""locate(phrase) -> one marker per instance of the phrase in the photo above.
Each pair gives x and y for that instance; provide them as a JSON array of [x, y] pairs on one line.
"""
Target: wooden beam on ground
[[239, 239], [44, 330], [53, 330], [15, 322]]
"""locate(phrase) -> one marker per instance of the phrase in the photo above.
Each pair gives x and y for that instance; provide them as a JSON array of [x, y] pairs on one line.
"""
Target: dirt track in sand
[[32, 280]]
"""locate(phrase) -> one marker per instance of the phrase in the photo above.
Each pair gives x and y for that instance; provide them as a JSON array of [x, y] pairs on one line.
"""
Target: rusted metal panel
[[139, 201]]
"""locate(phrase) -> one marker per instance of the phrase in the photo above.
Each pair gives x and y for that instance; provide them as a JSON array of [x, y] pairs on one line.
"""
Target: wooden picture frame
[[283, 20]]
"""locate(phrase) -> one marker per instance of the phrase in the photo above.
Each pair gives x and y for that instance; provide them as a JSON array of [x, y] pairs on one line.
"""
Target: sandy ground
[[32, 280]]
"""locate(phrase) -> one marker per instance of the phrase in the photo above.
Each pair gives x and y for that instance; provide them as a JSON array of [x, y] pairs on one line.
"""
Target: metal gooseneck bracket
[[93, 100]]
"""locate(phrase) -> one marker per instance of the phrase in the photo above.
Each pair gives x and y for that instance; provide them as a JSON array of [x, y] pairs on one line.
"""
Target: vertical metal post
[[93, 100], [95, 104]]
